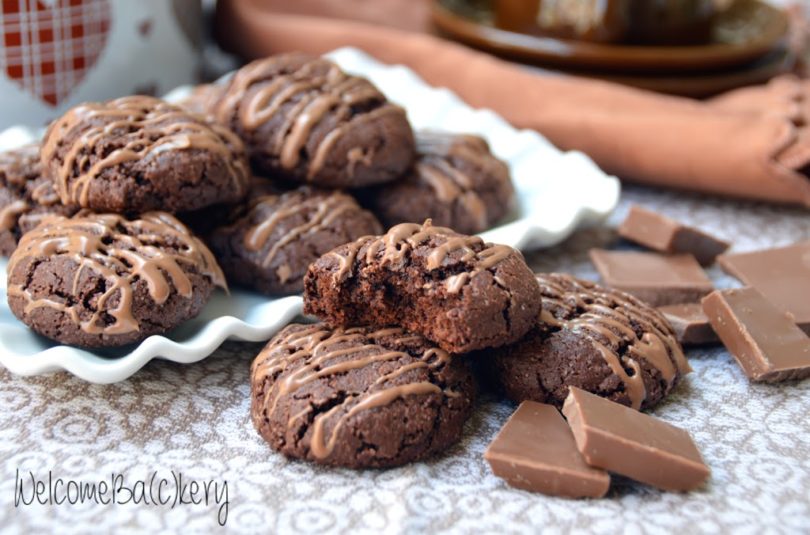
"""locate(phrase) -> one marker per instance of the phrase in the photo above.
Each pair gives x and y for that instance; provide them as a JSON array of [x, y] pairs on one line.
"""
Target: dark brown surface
[[592, 338], [656, 279], [269, 243], [103, 281], [25, 196], [781, 274], [455, 290], [456, 181], [136, 154], [660, 233], [535, 451], [766, 341], [302, 118], [690, 323], [361, 397], [633, 444]]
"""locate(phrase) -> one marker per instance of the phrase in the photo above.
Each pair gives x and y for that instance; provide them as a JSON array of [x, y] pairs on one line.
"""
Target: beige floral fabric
[[191, 421]]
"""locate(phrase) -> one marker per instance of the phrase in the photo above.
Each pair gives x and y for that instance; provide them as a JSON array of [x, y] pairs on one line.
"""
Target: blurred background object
[[695, 48], [58, 53]]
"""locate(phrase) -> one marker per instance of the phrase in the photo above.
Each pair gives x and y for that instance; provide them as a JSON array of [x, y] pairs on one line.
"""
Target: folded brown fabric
[[733, 148]]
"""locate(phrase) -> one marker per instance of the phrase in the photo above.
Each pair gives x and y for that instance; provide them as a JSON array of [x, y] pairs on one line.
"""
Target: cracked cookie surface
[[302, 118], [103, 280], [136, 154], [455, 181], [455, 290], [595, 338], [26, 196], [359, 397], [269, 243]]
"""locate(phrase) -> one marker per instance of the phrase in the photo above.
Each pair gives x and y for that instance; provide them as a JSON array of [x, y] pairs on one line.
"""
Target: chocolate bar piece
[[655, 278], [691, 325], [665, 235], [535, 451], [782, 275], [622, 440], [766, 342]]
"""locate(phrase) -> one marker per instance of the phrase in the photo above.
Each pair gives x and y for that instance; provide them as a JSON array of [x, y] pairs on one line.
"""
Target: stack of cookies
[[287, 160], [383, 379], [97, 258]]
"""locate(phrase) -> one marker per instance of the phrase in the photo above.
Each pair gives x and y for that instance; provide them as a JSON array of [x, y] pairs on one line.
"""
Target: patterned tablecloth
[[173, 420]]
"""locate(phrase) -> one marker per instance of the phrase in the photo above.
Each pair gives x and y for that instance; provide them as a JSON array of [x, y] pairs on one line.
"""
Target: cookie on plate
[[104, 280], [269, 243], [26, 197], [359, 397], [304, 119], [456, 290], [136, 154], [598, 339], [455, 181]]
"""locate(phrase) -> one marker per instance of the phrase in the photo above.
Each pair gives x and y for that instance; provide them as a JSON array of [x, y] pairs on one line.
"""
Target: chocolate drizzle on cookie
[[130, 129], [303, 354], [611, 320], [395, 246], [436, 167], [318, 210], [156, 248], [297, 93]]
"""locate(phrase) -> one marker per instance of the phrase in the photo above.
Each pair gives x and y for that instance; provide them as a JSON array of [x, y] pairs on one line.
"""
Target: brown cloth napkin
[[737, 145]]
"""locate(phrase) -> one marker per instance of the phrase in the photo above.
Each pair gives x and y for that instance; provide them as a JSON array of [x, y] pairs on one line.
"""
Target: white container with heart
[[58, 53]]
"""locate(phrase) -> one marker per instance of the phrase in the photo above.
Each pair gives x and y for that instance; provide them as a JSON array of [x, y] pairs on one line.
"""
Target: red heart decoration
[[48, 47]]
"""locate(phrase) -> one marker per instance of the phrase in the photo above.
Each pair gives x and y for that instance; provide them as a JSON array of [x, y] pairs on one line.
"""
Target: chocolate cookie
[[358, 397], [456, 181], [598, 339], [136, 154], [304, 119], [26, 196], [271, 241], [102, 280], [456, 290]]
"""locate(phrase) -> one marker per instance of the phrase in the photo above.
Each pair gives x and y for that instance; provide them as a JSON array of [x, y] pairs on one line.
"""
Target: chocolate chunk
[[654, 278], [358, 397], [535, 451], [136, 154], [665, 235], [595, 338], [455, 181], [782, 275], [690, 323], [458, 291], [618, 439], [303, 119], [766, 341], [104, 280]]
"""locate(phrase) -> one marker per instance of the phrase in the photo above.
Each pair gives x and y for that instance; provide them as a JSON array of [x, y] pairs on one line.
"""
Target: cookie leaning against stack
[[456, 290]]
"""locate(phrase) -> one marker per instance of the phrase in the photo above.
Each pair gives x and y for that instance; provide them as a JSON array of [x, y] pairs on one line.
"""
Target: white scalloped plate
[[557, 192]]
